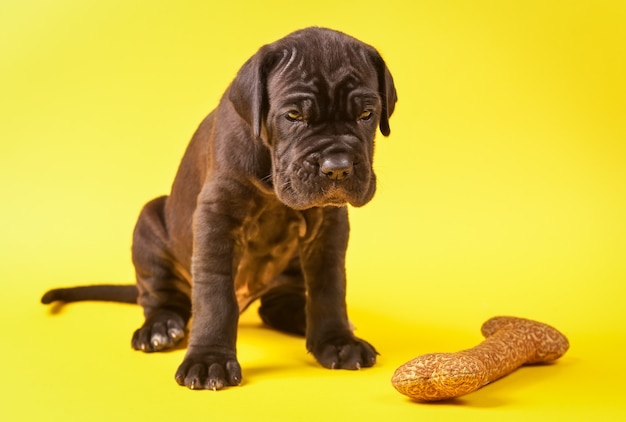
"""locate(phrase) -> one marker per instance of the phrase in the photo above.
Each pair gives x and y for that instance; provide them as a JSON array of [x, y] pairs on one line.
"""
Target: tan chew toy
[[509, 343]]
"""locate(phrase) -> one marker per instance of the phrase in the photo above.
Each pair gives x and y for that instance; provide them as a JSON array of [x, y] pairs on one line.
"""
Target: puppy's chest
[[265, 244]]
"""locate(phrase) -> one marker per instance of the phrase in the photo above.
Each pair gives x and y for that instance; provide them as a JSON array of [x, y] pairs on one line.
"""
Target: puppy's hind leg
[[283, 306], [164, 292]]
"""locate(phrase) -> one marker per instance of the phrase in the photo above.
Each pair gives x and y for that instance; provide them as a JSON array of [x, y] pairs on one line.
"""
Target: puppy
[[258, 210]]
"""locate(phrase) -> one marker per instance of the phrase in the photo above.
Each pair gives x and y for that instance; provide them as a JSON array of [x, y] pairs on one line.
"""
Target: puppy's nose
[[337, 166]]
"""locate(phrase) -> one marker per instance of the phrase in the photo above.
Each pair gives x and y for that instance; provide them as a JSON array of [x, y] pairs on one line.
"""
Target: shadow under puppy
[[258, 209]]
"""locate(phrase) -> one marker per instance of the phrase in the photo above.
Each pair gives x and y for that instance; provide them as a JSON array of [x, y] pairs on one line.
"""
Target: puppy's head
[[315, 99]]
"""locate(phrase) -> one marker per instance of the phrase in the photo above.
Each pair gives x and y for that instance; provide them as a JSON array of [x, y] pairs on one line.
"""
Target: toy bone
[[510, 342]]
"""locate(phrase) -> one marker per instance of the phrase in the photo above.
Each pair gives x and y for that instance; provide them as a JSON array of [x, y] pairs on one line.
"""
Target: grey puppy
[[258, 210]]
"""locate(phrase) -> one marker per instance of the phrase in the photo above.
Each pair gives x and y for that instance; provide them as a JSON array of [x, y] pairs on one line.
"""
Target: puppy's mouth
[[304, 188], [334, 197], [302, 200]]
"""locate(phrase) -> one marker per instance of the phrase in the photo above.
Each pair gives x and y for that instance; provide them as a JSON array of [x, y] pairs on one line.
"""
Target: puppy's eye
[[294, 116], [366, 115]]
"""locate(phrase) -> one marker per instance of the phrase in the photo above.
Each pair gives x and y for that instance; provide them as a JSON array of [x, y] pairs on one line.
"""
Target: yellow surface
[[502, 191]]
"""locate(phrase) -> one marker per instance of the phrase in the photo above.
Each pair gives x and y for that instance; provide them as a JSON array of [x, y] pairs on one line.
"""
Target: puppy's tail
[[126, 293]]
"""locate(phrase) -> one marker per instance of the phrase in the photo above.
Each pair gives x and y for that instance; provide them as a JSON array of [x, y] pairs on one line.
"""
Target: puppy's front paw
[[208, 370], [161, 331], [343, 352]]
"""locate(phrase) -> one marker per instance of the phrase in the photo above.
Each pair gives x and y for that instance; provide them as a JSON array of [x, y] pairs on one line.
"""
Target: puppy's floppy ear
[[248, 91], [387, 91]]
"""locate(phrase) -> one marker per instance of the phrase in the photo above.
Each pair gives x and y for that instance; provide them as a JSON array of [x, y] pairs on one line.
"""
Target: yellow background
[[502, 191]]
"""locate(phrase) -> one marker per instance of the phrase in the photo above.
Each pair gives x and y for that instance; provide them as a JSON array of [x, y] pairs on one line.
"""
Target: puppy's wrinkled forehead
[[323, 64]]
